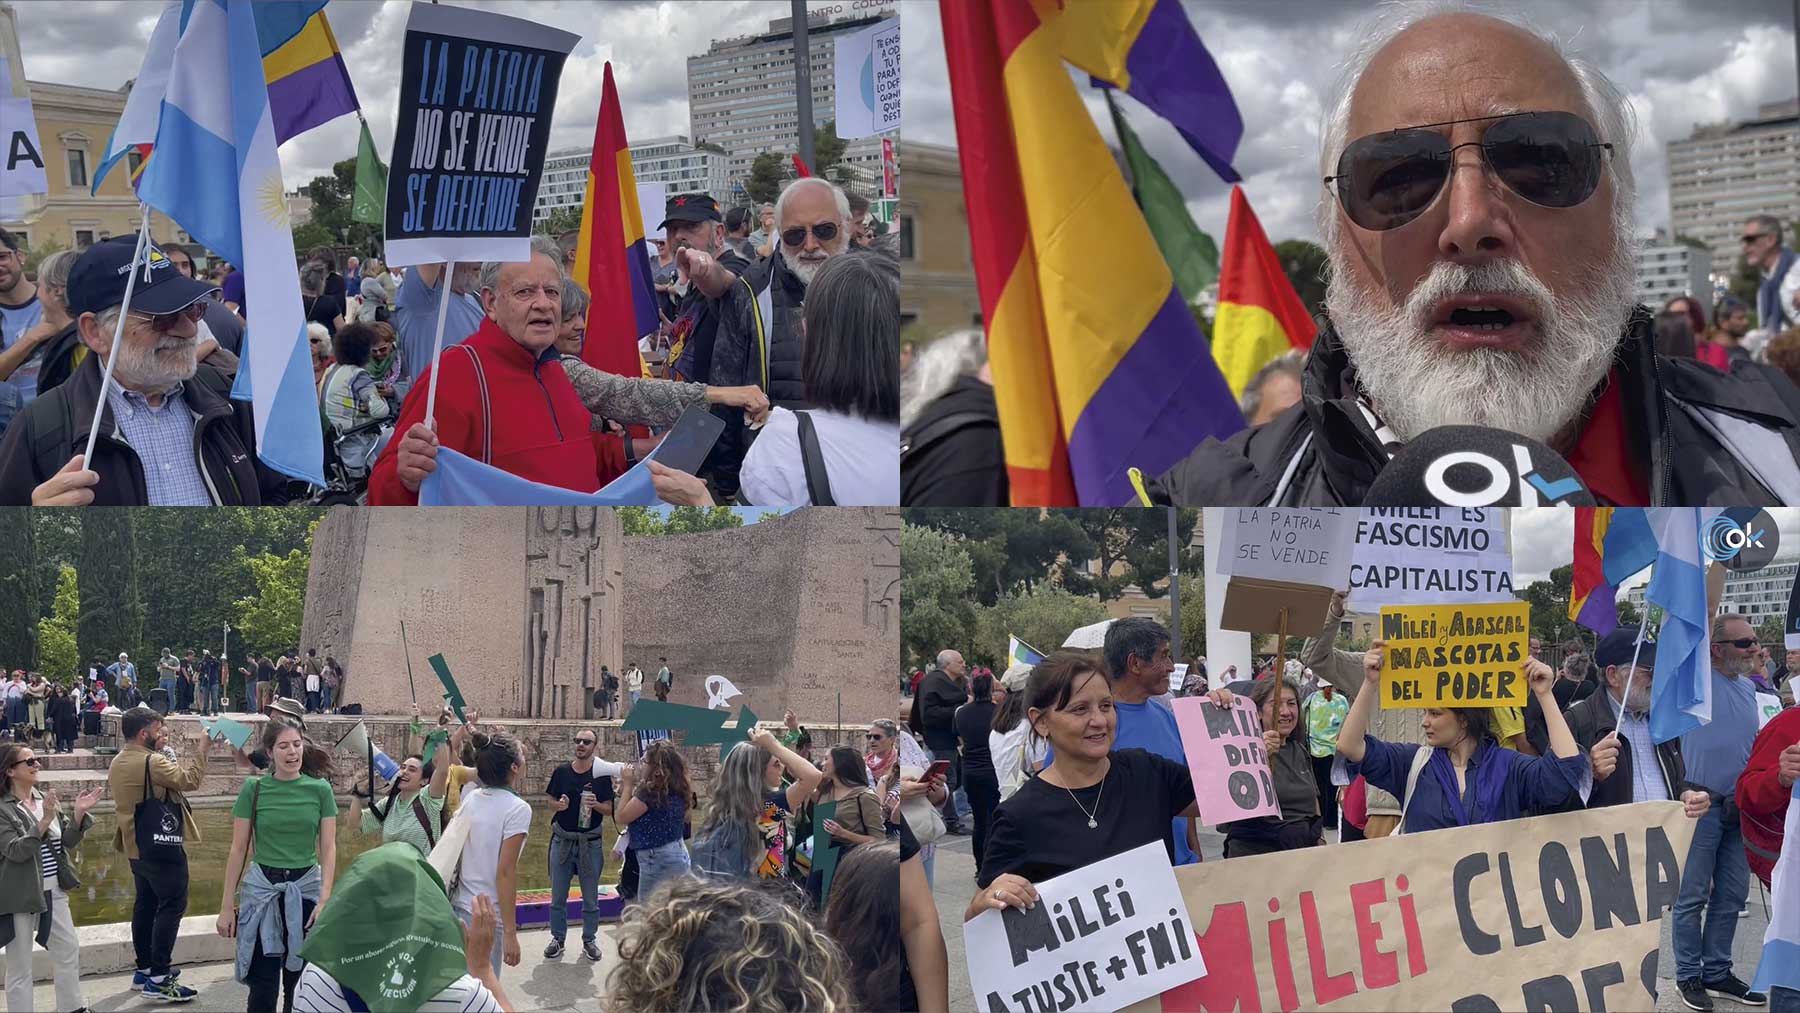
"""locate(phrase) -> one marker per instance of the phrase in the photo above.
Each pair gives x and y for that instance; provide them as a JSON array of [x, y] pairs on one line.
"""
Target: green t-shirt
[[287, 819]]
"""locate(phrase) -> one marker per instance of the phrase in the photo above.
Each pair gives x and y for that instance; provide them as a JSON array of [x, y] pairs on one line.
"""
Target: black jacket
[[1335, 456], [694, 361], [951, 453], [939, 697], [759, 342], [1589, 721], [54, 428]]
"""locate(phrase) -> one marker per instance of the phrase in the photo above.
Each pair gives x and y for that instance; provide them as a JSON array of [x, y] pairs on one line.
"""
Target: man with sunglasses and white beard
[[1479, 229], [170, 435]]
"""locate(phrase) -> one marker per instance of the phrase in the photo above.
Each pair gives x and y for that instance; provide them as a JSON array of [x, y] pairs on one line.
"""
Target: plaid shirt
[[164, 441]]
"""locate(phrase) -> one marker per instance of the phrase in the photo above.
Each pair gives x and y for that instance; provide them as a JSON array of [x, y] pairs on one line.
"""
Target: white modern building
[[1757, 595], [1727, 172], [681, 168], [741, 91], [1666, 270], [564, 184]]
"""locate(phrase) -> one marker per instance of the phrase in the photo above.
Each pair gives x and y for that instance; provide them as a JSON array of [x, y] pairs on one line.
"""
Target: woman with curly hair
[[655, 812], [718, 945], [864, 918]]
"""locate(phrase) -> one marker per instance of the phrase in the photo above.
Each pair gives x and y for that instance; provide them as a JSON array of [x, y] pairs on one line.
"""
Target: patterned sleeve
[[631, 400]]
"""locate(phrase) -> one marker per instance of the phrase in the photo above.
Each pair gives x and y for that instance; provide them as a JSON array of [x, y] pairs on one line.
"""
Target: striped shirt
[[52, 840], [163, 438], [1646, 770], [318, 992]]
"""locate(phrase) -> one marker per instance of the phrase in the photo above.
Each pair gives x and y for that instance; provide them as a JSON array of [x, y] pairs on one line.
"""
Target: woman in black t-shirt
[[1091, 803], [973, 721]]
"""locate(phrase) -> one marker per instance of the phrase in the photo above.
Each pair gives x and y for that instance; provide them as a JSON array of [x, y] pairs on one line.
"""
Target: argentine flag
[[1020, 653], [1681, 698], [216, 173], [1780, 964]]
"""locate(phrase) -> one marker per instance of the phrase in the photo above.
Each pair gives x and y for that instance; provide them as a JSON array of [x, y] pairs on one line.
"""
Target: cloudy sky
[[100, 44], [1544, 539], [1681, 62]]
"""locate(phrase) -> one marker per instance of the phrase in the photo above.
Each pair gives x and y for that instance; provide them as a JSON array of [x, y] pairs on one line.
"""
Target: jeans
[[1716, 877], [952, 782], [1784, 1000], [984, 795], [65, 957], [929, 853], [325, 695], [267, 976], [585, 858], [312, 701], [162, 897], [659, 865], [209, 697], [634, 697], [497, 959]]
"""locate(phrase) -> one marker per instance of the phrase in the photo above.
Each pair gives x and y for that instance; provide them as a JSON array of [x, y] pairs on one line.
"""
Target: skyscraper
[[1726, 172]]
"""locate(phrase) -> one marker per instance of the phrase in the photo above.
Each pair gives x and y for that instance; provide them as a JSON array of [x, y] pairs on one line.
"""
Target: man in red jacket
[[517, 412], [1764, 788]]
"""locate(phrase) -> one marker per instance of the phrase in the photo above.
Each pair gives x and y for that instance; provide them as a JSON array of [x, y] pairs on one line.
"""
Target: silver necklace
[[1092, 822]]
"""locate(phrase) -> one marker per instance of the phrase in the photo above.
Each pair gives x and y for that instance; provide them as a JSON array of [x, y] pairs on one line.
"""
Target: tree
[[1549, 600], [1304, 264], [935, 576], [1771, 629], [112, 614], [18, 589], [559, 221], [269, 620], [333, 197], [1130, 548], [1010, 549], [1629, 616], [766, 175], [57, 538], [38, 252], [1683, 239], [310, 235], [704, 145], [58, 657], [1042, 616], [637, 520], [1193, 618], [828, 148]]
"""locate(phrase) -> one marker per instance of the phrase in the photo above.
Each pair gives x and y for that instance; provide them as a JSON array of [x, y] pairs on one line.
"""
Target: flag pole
[[437, 343], [112, 356], [1625, 694]]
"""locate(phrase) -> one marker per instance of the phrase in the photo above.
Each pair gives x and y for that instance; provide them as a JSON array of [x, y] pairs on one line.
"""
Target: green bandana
[[388, 932]]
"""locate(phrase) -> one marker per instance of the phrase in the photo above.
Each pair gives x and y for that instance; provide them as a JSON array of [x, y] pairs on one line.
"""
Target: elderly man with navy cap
[[1613, 728], [170, 435]]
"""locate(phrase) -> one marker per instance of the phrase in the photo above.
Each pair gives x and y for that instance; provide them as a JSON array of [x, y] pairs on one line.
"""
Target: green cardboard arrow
[[452, 695], [824, 856], [225, 729], [700, 726]]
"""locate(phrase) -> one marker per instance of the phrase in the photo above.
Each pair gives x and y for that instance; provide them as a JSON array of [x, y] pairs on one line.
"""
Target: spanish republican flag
[[1099, 366], [610, 261], [1610, 545], [1260, 315]]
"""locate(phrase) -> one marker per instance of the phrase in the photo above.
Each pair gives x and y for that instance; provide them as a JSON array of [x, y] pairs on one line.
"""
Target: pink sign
[[1225, 755]]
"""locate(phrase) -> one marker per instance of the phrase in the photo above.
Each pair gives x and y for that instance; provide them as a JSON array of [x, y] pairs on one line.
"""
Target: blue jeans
[[1784, 1000], [1716, 877], [209, 698], [325, 696], [583, 857], [659, 865]]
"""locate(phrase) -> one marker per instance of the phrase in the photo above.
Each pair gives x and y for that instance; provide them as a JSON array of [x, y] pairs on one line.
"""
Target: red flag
[[610, 260], [800, 167]]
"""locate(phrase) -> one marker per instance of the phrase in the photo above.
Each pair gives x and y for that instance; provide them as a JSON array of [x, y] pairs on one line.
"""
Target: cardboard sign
[[1558, 912], [824, 856], [476, 94], [1767, 706], [1455, 655], [21, 154], [452, 695], [1099, 939], [1428, 556], [1225, 755], [226, 730], [867, 75], [1300, 546]]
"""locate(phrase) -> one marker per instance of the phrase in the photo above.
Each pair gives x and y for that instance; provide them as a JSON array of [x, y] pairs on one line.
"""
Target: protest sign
[[1428, 556], [824, 856], [1099, 938], [1302, 546], [1557, 912], [452, 695], [226, 730], [21, 155], [1455, 655], [476, 94], [700, 726], [1225, 648], [1225, 755], [1767, 706], [653, 200], [868, 80]]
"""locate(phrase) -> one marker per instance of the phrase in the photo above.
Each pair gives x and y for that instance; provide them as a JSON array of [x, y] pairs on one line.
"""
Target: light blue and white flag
[[460, 480], [1681, 698], [216, 173], [1780, 964]]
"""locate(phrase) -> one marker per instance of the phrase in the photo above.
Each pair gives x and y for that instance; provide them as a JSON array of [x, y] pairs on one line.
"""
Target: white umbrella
[[1089, 637]]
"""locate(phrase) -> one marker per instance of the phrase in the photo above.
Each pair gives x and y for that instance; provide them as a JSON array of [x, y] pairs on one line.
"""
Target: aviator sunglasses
[[1551, 159]]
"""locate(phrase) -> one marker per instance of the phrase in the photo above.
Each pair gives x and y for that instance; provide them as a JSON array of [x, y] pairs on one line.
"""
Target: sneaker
[[1731, 987], [140, 978], [554, 950], [1694, 995], [590, 950], [167, 991]]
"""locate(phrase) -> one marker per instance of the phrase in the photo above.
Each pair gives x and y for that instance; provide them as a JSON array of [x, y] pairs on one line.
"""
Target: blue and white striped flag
[[1681, 698], [216, 173], [1780, 964]]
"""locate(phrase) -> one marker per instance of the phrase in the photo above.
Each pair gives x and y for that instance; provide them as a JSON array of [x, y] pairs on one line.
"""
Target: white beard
[[1416, 383], [142, 368]]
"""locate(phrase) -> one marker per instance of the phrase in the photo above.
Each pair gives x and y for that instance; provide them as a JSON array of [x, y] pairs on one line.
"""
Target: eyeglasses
[[584, 742], [1742, 645], [1752, 237], [876, 738], [1551, 159], [824, 232], [31, 762], [167, 321]]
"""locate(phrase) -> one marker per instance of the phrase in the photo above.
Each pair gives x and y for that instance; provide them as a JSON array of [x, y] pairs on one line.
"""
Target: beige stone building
[[74, 124], [937, 270]]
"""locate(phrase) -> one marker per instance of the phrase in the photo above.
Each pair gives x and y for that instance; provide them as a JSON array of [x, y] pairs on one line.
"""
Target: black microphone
[[1472, 466]]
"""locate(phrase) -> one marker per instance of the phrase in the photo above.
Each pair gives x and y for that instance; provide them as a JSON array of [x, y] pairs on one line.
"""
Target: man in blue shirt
[[1138, 663], [416, 313], [1716, 875]]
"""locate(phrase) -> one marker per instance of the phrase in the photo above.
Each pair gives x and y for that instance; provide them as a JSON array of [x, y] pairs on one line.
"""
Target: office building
[[1757, 595], [672, 161], [1666, 270], [937, 269], [1727, 172]]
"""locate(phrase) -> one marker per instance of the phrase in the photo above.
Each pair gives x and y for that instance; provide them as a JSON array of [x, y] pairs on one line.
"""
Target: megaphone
[[357, 743]]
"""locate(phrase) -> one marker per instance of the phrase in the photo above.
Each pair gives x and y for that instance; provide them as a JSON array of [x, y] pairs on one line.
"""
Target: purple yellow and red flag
[[610, 261], [1611, 544], [308, 82], [1099, 366], [1260, 316]]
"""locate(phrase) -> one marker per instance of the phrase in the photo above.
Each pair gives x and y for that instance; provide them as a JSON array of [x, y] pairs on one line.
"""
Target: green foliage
[[635, 520], [1305, 266], [828, 148], [1683, 239], [1628, 613], [1009, 549], [57, 534], [766, 174], [1193, 618], [269, 620], [58, 657], [1042, 616], [708, 146], [1549, 600], [38, 252], [333, 197], [1771, 630], [18, 588], [1130, 548], [638, 520], [310, 235], [935, 577], [560, 221], [112, 613]]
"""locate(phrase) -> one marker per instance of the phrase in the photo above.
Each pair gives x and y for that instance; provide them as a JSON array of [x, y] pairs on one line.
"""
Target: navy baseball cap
[[689, 208], [1616, 648], [98, 279]]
